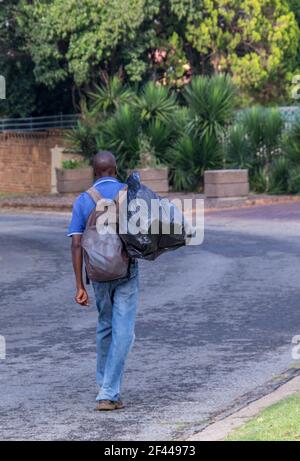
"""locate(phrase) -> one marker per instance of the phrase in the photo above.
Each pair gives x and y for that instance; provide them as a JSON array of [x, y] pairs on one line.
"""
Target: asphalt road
[[214, 323]]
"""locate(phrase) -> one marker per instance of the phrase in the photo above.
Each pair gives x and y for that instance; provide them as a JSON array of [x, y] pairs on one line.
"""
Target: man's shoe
[[109, 405], [119, 405]]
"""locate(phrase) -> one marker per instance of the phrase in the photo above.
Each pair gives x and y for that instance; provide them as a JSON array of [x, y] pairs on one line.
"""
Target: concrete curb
[[221, 429], [64, 204], [229, 204], [38, 208]]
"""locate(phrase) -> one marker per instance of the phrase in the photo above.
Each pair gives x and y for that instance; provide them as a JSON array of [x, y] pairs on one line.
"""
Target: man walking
[[116, 300]]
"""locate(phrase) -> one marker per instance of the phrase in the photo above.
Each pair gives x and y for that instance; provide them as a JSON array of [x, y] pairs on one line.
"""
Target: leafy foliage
[[156, 102], [211, 103], [25, 96], [73, 164], [255, 143], [79, 38], [121, 135], [167, 41], [15, 66], [256, 41], [150, 128], [108, 97], [280, 176], [83, 138], [186, 170], [259, 142], [291, 151]]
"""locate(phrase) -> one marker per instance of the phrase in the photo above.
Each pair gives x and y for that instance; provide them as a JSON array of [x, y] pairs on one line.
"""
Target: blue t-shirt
[[84, 204]]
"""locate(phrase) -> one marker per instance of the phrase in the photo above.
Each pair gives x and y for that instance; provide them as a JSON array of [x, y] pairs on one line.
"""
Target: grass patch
[[279, 422], [12, 195]]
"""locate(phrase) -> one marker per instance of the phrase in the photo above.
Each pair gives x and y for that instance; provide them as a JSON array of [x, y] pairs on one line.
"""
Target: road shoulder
[[221, 429], [64, 202]]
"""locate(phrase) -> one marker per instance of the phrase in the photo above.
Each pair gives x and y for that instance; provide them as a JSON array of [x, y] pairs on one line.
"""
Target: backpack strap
[[94, 194]]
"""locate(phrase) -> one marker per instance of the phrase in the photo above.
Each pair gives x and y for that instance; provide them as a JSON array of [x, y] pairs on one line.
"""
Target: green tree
[[52, 50], [255, 41], [295, 8], [24, 95], [143, 38], [72, 38], [15, 65]]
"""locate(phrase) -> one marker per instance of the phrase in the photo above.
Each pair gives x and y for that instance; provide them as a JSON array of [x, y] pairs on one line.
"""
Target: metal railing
[[290, 115], [39, 123]]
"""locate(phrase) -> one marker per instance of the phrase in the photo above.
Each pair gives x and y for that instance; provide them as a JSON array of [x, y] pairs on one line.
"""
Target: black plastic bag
[[165, 219]]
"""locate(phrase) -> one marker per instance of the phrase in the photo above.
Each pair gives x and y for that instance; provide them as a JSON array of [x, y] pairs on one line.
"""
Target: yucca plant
[[109, 97], [279, 176], [190, 157], [291, 144], [82, 138], [258, 181], [185, 165], [147, 154], [237, 148], [180, 119], [211, 103], [264, 127], [120, 134], [156, 102], [211, 154], [294, 180], [162, 136], [186, 138], [124, 132], [290, 147], [254, 142]]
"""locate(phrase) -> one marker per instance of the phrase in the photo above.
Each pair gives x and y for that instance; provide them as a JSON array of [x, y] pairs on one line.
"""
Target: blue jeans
[[117, 304]]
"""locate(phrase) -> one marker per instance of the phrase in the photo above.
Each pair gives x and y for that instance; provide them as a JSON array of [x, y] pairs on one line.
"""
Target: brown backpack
[[105, 256]]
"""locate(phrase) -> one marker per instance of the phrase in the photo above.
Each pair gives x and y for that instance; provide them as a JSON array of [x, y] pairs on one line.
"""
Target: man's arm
[[81, 293]]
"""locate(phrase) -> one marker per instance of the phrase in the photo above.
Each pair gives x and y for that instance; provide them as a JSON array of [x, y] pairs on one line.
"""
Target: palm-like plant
[[147, 154], [264, 128], [291, 144], [258, 181], [254, 143], [120, 134], [237, 148], [185, 168], [156, 102], [211, 154], [82, 138], [161, 136], [211, 102], [132, 124], [294, 180], [290, 147], [108, 97], [180, 119], [279, 176], [187, 138], [190, 158], [201, 125]]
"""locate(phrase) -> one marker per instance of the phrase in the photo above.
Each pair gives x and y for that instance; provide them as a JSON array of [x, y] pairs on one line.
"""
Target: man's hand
[[82, 297]]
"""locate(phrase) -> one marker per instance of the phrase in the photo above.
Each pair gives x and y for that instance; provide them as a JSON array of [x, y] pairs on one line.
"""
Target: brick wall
[[25, 161]]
